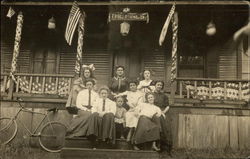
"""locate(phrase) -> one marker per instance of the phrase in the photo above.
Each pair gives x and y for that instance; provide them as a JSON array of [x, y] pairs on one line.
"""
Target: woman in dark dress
[[161, 100], [118, 84]]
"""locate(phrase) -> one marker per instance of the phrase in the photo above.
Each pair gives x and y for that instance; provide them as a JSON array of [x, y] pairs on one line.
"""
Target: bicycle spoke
[[52, 136], [8, 130]]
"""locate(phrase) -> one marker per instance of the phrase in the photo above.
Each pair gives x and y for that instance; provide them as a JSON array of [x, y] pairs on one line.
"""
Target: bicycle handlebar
[[52, 109], [19, 102], [55, 109]]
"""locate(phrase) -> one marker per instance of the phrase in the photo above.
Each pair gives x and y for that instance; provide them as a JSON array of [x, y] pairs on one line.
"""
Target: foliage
[[20, 149]]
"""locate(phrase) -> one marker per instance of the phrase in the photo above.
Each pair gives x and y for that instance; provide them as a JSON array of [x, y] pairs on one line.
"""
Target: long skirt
[[131, 119], [79, 124], [146, 131], [161, 122], [102, 127], [71, 101]]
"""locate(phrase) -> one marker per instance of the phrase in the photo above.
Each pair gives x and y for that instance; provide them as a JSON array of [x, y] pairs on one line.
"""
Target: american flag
[[174, 47], [166, 24], [10, 13], [73, 20]]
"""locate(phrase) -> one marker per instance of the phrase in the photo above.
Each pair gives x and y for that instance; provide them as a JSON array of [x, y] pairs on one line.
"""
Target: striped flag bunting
[[165, 26], [16, 45], [73, 20], [80, 44], [174, 47], [10, 13]]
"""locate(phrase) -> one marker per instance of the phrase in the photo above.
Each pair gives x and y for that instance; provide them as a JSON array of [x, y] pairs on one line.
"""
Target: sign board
[[122, 16]]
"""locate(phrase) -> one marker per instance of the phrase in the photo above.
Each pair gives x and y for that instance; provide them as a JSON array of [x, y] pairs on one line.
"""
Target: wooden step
[[78, 153], [120, 144]]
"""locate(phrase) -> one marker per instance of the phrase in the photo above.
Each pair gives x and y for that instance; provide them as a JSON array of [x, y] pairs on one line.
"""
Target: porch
[[209, 102], [201, 92]]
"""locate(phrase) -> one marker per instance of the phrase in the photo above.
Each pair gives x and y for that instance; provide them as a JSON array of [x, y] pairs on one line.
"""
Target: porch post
[[11, 89], [172, 92], [174, 66]]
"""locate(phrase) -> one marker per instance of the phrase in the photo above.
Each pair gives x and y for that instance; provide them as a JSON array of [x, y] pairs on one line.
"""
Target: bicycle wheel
[[52, 136], [8, 130]]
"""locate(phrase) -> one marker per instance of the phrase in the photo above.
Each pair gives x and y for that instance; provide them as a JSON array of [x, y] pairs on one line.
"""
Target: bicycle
[[51, 135]]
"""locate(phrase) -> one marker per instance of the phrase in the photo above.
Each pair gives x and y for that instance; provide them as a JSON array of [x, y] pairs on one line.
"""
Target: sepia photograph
[[125, 79]]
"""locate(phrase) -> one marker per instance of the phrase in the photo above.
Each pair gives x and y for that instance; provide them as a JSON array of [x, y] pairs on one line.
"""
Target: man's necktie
[[103, 105], [89, 97]]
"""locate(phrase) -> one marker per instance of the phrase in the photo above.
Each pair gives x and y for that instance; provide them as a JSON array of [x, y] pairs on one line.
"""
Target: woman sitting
[[146, 85], [84, 103], [118, 83], [161, 101], [147, 130], [78, 85], [101, 122]]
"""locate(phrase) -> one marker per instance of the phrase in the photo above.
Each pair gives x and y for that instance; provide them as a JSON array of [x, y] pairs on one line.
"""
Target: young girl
[[134, 97], [145, 85], [101, 122], [147, 129], [120, 118]]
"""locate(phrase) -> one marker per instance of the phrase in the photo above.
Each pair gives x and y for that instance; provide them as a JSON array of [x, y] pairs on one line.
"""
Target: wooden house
[[212, 84]]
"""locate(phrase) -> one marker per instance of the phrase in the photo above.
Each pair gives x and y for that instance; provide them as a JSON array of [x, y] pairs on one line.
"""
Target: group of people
[[129, 109]]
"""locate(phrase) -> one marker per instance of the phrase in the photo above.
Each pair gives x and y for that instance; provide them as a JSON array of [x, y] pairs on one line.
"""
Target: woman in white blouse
[[147, 129], [146, 85], [101, 123], [84, 103]]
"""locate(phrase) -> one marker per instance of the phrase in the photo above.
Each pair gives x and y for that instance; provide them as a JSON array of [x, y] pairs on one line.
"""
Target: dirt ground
[[22, 150]]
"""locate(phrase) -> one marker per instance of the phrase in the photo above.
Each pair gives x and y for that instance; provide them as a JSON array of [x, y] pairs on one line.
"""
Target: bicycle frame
[[31, 133]]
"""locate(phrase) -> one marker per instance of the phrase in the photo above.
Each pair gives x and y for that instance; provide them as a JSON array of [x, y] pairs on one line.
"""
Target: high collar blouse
[[118, 84]]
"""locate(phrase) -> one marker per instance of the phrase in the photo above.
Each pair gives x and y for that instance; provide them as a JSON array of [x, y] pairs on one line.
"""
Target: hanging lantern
[[52, 23], [211, 29], [125, 26]]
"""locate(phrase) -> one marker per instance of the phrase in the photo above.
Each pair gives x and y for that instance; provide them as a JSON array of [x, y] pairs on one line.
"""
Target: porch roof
[[106, 2]]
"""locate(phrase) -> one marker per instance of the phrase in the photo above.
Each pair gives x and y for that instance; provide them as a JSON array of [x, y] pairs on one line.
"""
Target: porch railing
[[36, 84], [218, 89], [58, 85]]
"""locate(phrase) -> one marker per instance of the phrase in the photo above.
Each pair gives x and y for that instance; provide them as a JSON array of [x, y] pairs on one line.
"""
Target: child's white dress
[[134, 98], [145, 87]]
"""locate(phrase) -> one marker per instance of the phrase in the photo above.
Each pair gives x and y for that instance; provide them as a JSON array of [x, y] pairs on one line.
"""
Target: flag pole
[[172, 17], [16, 44], [174, 59], [15, 53], [80, 45]]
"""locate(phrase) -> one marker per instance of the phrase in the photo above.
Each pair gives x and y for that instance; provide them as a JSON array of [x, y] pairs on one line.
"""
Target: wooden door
[[131, 60], [45, 54], [45, 60]]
